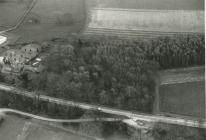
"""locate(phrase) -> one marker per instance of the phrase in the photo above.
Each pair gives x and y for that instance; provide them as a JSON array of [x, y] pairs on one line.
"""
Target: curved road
[[26, 13], [134, 116], [7, 110]]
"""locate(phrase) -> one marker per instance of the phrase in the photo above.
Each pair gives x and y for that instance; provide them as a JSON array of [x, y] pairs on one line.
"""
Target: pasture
[[48, 18], [183, 99], [14, 127]]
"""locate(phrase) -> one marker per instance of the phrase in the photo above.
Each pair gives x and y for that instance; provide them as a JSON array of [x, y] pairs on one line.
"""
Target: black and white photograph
[[102, 70]]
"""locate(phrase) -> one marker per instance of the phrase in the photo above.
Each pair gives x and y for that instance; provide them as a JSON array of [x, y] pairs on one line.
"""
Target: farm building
[[24, 55], [16, 59]]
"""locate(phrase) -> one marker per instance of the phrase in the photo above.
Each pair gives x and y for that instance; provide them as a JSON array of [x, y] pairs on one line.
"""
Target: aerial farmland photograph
[[102, 70]]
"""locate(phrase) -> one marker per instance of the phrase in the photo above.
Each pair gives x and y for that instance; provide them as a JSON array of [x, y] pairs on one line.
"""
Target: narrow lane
[[7, 110]]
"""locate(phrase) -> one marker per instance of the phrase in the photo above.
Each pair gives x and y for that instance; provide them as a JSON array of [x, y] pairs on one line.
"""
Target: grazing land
[[63, 17], [10, 13], [18, 128], [47, 19], [152, 4], [184, 98]]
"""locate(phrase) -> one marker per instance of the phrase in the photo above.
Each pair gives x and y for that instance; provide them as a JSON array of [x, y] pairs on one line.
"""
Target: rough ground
[[15, 128]]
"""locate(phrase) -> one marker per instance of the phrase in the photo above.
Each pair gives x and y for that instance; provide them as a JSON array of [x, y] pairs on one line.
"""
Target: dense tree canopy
[[170, 52], [116, 76], [112, 71]]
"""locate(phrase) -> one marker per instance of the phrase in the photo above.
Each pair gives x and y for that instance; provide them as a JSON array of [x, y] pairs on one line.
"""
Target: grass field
[[49, 13], [152, 4], [10, 13], [15, 128], [183, 99]]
